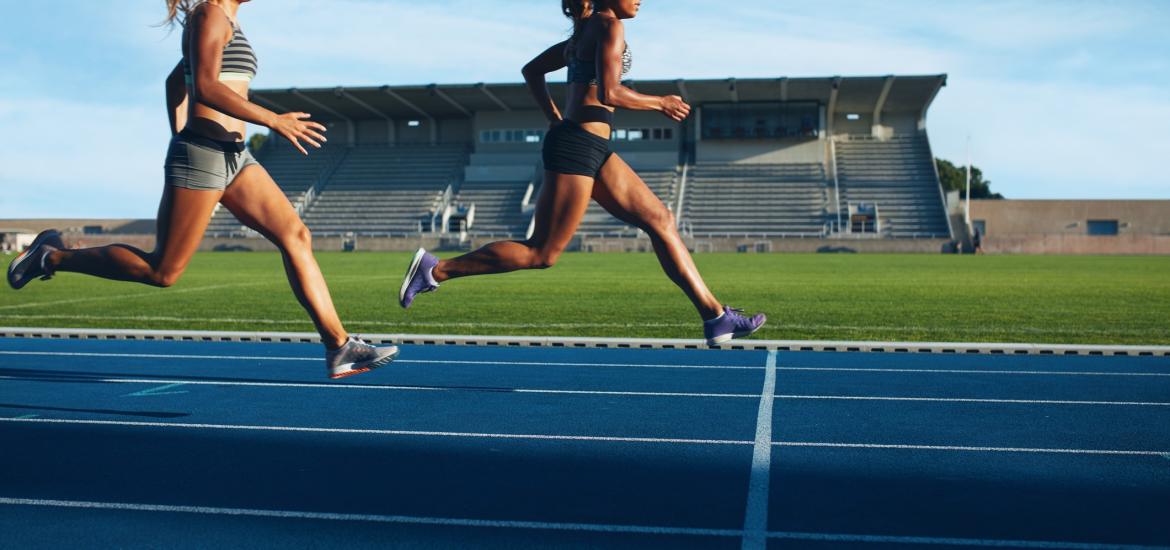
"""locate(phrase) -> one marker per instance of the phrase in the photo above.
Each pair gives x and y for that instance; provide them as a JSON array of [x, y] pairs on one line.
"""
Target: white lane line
[[974, 400], [374, 518], [552, 526], [301, 321], [317, 385], [554, 437], [320, 385], [581, 364], [944, 541], [976, 371], [968, 449], [156, 356], [755, 521], [371, 431], [409, 361]]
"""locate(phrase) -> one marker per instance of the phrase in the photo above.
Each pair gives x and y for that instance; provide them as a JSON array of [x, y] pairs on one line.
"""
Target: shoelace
[[739, 318]]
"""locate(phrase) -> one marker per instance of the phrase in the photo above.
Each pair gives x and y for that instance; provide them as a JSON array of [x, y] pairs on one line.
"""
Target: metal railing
[[938, 183], [836, 179], [441, 209], [682, 191]]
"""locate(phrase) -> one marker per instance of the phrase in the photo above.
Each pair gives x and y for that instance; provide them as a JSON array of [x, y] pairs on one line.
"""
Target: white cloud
[[1052, 91]]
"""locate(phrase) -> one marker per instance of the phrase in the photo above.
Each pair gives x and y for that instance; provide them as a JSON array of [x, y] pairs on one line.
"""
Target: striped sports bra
[[585, 70], [239, 59]]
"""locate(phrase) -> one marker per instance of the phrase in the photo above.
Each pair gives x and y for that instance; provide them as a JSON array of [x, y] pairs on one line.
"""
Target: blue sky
[[1061, 99]]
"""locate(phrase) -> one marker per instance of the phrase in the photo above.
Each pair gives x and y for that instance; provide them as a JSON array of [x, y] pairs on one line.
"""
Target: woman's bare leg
[[183, 215], [258, 203], [621, 192], [559, 209]]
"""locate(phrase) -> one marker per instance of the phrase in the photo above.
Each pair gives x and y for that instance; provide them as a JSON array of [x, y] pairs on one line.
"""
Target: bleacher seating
[[497, 207], [897, 175], [294, 172], [769, 199], [385, 190], [597, 221]]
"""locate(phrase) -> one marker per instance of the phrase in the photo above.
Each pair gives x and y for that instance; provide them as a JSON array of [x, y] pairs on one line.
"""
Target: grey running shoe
[[418, 278], [30, 264], [732, 324], [356, 357]]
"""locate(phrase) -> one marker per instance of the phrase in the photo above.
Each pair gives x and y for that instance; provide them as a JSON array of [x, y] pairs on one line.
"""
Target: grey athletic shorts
[[204, 164]]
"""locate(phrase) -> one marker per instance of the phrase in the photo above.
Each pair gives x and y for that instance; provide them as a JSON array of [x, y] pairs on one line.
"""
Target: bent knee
[[662, 220], [541, 256], [545, 259], [296, 236], [165, 278]]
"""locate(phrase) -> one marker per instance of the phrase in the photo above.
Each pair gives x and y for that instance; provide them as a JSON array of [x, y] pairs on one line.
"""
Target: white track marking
[[755, 522], [411, 361], [965, 448], [977, 371], [315, 385], [869, 329], [579, 364], [554, 437], [553, 526], [974, 400], [374, 518], [387, 387], [362, 431], [945, 541], [158, 356], [147, 294]]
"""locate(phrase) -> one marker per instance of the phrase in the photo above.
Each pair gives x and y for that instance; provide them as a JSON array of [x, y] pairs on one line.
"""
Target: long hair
[[580, 11], [178, 10]]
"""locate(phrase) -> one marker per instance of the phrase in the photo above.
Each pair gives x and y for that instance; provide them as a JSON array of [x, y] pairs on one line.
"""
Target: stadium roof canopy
[[443, 101]]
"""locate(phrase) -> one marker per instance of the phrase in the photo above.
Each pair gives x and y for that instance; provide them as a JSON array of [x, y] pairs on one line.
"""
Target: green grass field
[[1092, 300]]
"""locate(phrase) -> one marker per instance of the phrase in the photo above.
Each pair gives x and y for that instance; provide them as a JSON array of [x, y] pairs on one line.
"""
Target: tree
[[257, 141], [954, 178]]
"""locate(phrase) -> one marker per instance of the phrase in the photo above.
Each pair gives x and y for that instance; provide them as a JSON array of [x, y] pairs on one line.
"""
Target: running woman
[[579, 165], [207, 163]]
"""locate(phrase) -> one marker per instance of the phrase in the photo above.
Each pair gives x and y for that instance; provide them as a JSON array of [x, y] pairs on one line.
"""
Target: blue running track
[[219, 444]]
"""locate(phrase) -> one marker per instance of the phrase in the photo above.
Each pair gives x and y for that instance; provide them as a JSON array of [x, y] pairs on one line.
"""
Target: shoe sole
[[376, 364], [723, 338], [37, 243], [410, 272]]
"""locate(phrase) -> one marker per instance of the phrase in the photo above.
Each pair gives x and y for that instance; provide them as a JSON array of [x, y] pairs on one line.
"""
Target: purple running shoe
[[418, 278], [30, 264], [731, 325]]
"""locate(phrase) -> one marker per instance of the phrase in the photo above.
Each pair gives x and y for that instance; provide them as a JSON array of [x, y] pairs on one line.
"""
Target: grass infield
[[1043, 299]]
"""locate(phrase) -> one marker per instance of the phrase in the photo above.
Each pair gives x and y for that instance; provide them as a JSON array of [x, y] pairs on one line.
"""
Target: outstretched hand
[[675, 108], [296, 127]]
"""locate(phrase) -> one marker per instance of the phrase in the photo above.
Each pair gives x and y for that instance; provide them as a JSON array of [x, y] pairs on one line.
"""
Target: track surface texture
[[201, 444]]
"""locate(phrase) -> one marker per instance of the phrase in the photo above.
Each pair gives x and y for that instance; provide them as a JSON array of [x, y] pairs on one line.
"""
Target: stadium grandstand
[[761, 165]]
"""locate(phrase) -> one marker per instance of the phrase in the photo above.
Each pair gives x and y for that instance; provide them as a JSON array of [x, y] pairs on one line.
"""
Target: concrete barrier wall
[[1124, 244], [763, 245], [587, 244]]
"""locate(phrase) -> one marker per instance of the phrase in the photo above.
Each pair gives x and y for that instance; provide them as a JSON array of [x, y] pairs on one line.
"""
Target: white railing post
[[527, 196], [836, 179], [682, 190]]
